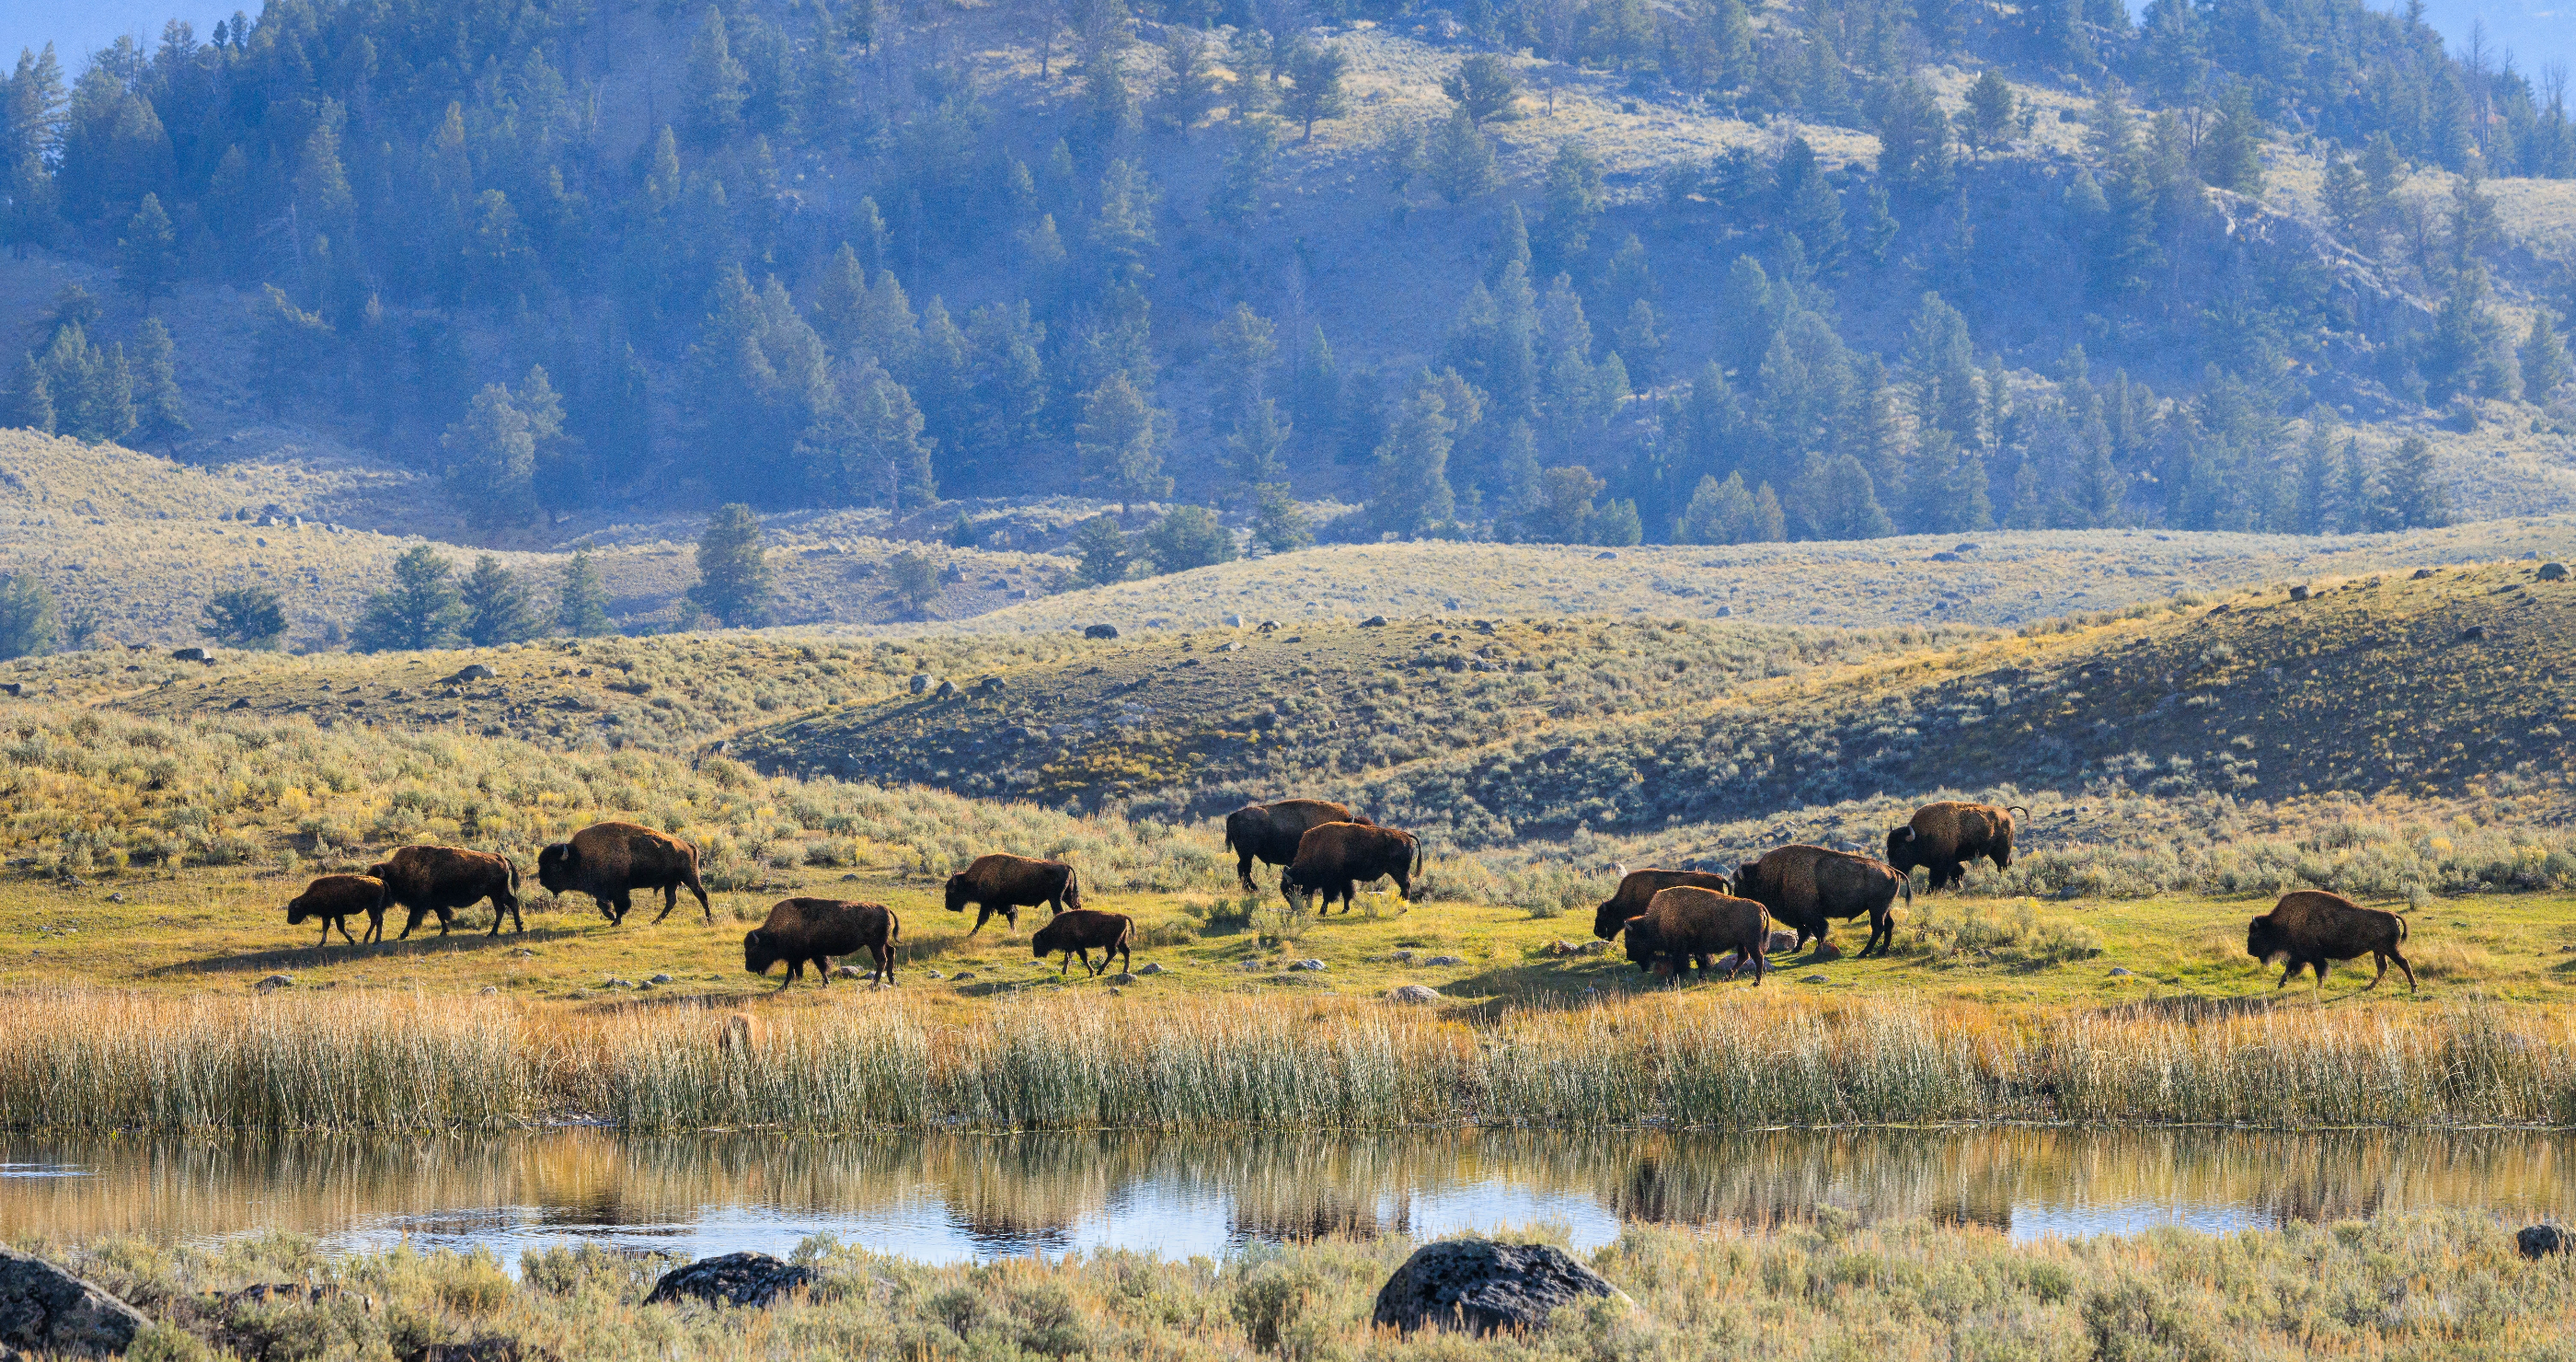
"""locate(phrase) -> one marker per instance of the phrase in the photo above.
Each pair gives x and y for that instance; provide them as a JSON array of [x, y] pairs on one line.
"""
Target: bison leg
[[884, 955], [326, 932], [2401, 964], [1403, 886], [1243, 868], [446, 919], [376, 926], [411, 922], [671, 900], [506, 902], [706, 909], [2382, 962], [2295, 967]]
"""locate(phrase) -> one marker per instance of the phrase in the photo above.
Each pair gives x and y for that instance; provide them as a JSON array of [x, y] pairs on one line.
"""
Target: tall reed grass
[[354, 1062]]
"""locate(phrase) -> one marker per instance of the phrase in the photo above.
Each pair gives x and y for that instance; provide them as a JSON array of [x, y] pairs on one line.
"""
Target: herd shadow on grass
[[340, 952]]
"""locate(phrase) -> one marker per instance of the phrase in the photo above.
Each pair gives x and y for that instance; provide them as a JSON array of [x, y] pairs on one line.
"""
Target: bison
[[1943, 838], [1687, 925], [1269, 832], [333, 898], [1005, 884], [1080, 931], [610, 861], [443, 879], [2314, 929], [1333, 859], [798, 930], [1637, 888], [1806, 887]]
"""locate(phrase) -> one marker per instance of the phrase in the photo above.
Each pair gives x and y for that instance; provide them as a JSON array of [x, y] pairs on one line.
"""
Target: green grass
[[2433, 1285]]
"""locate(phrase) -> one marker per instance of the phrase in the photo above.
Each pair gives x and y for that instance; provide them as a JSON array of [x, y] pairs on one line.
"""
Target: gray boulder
[[1412, 993], [1483, 1287], [47, 1311], [473, 671], [734, 1279]]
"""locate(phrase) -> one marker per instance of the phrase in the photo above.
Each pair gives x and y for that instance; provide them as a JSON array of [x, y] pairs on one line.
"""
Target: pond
[[952, 1198]]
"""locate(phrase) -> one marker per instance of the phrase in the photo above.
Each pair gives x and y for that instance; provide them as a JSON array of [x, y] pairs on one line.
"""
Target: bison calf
[[1005, 884], [798, 930], [2314, 929], [1334, 859], [1943, 838], [1080, 931], [611, 861], [1637, 888], [333, 898], [1684, 926], [1269, 832], [443, 879], [1806, 887]]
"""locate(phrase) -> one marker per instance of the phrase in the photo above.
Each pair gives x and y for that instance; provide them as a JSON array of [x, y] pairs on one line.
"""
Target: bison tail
[[1417, 856], [1905, 886], [2016, 808], [2401, 928], [1229, 832]]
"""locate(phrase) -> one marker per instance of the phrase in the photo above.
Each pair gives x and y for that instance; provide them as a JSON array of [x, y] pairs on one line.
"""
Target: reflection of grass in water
[[2436, 1284], [1731, 1059]]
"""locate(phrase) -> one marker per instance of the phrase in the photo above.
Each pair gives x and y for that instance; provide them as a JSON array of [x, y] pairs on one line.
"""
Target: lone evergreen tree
[[27, 624], [1117, 443], [1102, 551], [246, 617], [2544, 357], [912, 582], [1278, 526], [418, 611], [158, 410], [733, 571], [1189, 537], [1462, 161], [496, 605], [2415, 496], [581, 603], [494, 452], [147, 256], [1315, 84]]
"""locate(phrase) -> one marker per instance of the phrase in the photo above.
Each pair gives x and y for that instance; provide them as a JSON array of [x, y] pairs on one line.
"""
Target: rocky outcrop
[[1481, 1287], [47, 1311], [753, 1279]]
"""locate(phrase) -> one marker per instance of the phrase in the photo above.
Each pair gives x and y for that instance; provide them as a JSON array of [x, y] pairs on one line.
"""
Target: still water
[[948, 1198]]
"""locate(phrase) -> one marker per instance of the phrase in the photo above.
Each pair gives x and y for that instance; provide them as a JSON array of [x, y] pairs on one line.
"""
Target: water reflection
[[952, 1198]]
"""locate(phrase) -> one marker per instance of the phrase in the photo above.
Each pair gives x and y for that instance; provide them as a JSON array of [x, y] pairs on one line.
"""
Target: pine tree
[[2347, 199], [1987, 120], [31, 397], [1278, 525], [245, 617], [1616, 525], [418, 611], [1102, 551], [1564, 514], [2231, 154], [492, 460], [716, 86], [1850, 508], [2414, 491], [1516, 470], [1573, 202], [2544, 357], [1315, 394], [1118, 443], [1713, 505], [1253, 449], [1942, 367], [581, 602], [28, 625], [147, 256], [1189, 92], [496, 605], [1411, 492], [159, 412], [1462, 161], [1641, 345], [1315, 90], [1189, 537], [733, 571], [868, 443], [1484, 87]]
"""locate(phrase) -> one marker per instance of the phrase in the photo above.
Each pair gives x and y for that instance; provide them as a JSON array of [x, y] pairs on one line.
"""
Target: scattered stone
[[2539, 1241], [1483, 1287], [1725, 610], [1826, 950], [275, 982], [44, 1309], [1966, 548], [922, 682], [116, 898], [1307, 965], [473, 671], [2473, 634], [1121, 978], [1233, 621], [1781, 939], [491, 988], [1446, 960], [190, 655], [1945, 556], [1101, 631], [1374, 622], [1605, 556], [2553, 572], [1413, 993], [522, 953], [1149, 967], [2120, 972], [2421, 574], [619, 983], [662, 979], [1402, 957], [2299, 593], [734, 1279], [1814, 979], [1560, 947], [848, 972], [960, 976]]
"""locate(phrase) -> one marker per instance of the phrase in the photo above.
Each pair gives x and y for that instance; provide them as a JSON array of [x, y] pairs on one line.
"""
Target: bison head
[[1048, 940], [297, 911], [758, 951], [556, 866], [1643, 946], [381, 870], [1295, 890], [1900, 850], [958, 892], [2263, 938], [1609, 917]]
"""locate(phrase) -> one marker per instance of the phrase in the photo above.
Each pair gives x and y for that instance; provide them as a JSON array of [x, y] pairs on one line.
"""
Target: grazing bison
[[798, 930], [1269, 832], [1080, 931], [1637, 888], [1005, 884], [1687, 925], [1943, 838], [1806, 887], [1333, 859], [2315, 929], [443, 879], [610, 861], [334, 898]]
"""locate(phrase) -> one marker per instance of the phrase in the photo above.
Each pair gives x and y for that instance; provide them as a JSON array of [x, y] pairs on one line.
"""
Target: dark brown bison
[[798, 930], [334, 899], [1269, 832], [1637, 888], [1943, 838], [1687, 925], [1806, 887], [1005, 884], [2315, 929], [611, 861], [1333, 859], [443, 879], [1080, 931]]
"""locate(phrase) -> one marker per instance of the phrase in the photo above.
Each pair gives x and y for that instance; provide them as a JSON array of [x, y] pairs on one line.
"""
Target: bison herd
[[1674, 920]]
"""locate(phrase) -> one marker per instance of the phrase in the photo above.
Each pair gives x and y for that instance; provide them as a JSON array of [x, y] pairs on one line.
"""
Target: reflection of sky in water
[[968, 1198]]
